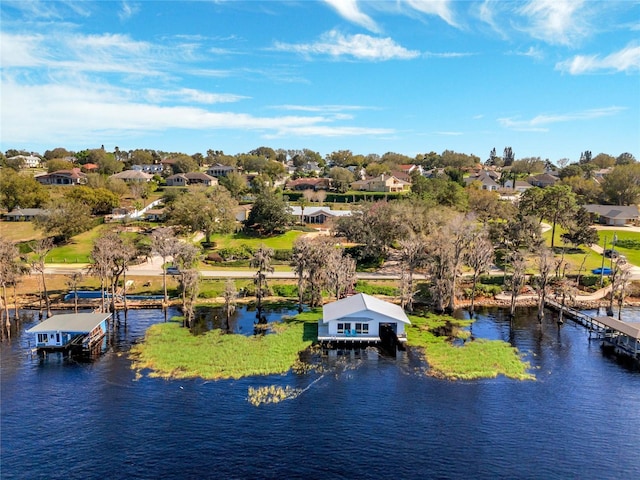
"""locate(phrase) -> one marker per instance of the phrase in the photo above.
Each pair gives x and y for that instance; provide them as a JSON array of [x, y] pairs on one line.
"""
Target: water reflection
[[244, 320]]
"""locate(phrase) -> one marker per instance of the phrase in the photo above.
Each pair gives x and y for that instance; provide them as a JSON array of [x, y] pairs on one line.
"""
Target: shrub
[[284, 290], [241, 252], [593, 280], [283, 255], [369, 289]]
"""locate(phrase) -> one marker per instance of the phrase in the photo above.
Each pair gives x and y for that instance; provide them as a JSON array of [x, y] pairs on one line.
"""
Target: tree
[[585, 157], [580, 230], [58, 152], [270, 214], [556, 203], [64, 218], [587, 190], [262, 261], [187, 257], [210, 210], [341, 272], [41, 249], [342, 178], [516, 281], [9, 272], [235, 183], [166, 244], [487, 205], [23, 191], [73, 279], [58, 164], [479, 257], [508, 157], [623, 159], [545, 266], [230, 294], [183, 164], [101, 201], [413, 255], [604, 160], [622, 185]]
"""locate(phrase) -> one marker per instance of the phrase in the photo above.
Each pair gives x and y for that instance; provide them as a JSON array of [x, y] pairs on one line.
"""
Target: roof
[[362, 302], [627, 328], [614, 211], [25, 212], [132, 175], [310, 211], [71, 322]]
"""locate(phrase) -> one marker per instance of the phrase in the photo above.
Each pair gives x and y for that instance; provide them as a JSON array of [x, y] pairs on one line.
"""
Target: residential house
[[381, 183], [152, 168], [542, 180], [615, 215], [219, 170], [410, 168], [362, 318], [191, 178], [65, 331], [23, 214], [359, 172], [519, 186], [28, 161], [63, 177], [485, 179], [317, 215], [133, 176], [310, 167], [90, 168]]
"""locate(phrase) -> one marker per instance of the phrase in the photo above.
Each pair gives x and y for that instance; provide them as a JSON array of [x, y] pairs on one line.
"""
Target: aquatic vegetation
[[271, 394], [479, 358], [170, 351]]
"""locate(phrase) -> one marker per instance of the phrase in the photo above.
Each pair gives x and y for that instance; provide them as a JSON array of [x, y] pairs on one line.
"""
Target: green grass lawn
[[19, 231], [632, 254], [78, 249], [277, 242]]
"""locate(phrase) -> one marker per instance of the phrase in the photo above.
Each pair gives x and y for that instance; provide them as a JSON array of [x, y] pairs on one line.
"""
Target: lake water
[[370, 416]]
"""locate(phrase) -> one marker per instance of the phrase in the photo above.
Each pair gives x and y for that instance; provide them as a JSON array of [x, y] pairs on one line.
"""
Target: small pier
[[623, 337]]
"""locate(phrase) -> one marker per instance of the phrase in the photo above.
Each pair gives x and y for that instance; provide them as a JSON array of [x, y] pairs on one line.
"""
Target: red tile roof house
[[63, 177]]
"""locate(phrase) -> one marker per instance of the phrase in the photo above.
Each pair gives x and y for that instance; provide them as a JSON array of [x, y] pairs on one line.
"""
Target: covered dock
[[77, 331]]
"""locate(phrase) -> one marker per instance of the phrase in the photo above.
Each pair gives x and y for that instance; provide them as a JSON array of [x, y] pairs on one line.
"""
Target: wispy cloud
[[440, 8], [531, 52], [361, 47], [323, 108], [349, 10], [447, 54], [540, 123], [89, 111], [128, 10], [625, 60], [190, 95], [562, 22]]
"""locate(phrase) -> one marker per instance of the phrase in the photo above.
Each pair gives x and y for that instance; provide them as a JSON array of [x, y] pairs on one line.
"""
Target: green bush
[[491, 280], [284, 290], [241, 252], [283, 255], [369, 289], [484, 290], [593, 280]]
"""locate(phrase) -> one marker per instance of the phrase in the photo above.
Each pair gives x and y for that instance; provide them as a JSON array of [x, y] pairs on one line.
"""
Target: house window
[[344, 326], [362, 328], [43, 337]]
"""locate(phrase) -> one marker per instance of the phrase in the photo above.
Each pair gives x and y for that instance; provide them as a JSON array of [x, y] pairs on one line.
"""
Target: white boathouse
[[361, 318], [66, 331]]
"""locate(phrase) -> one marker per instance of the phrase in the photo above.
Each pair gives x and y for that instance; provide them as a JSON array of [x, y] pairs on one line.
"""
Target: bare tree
[[164, 243], [545, 265], [460, 235], [72, 282], [230, 294], [41, 249], [9, 267], [620, 284], [262, 261], [518, 266], [439, 268], [413, 255], [300, 262], [479, 257], [187, 257], [340, 272]]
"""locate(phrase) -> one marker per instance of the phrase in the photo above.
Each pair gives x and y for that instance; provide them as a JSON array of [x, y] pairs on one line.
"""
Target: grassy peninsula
[[479, 358], [171, 351]]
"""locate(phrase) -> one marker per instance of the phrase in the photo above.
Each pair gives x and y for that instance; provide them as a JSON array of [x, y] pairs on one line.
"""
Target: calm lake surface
[[367, 416]]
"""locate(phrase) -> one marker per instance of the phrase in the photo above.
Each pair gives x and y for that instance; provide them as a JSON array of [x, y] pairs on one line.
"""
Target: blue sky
[[549, 78]]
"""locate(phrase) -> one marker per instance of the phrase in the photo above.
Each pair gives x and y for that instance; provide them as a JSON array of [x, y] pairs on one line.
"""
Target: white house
[[318, 215], [62, 332], [361, 318]]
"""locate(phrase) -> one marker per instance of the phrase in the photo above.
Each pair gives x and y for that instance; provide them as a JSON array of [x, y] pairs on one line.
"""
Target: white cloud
[[361, 47], [625, 60], [57, 113], [189, 95], [348, 9], [540, 123], [322, 108], [441, 8], [531, 52], [128, 11], [561, 22]]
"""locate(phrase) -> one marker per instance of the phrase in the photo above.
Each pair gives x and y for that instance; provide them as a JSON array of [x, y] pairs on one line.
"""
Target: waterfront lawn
[[78, 249], [171, 351], [478, 358], [573, 256]]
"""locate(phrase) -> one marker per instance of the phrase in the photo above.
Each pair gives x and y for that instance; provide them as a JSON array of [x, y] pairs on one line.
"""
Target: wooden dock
[[623, 337]]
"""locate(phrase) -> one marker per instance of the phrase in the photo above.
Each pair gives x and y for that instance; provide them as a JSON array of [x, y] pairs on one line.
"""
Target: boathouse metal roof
[[628, 329], [71, 322], [357, 304]]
